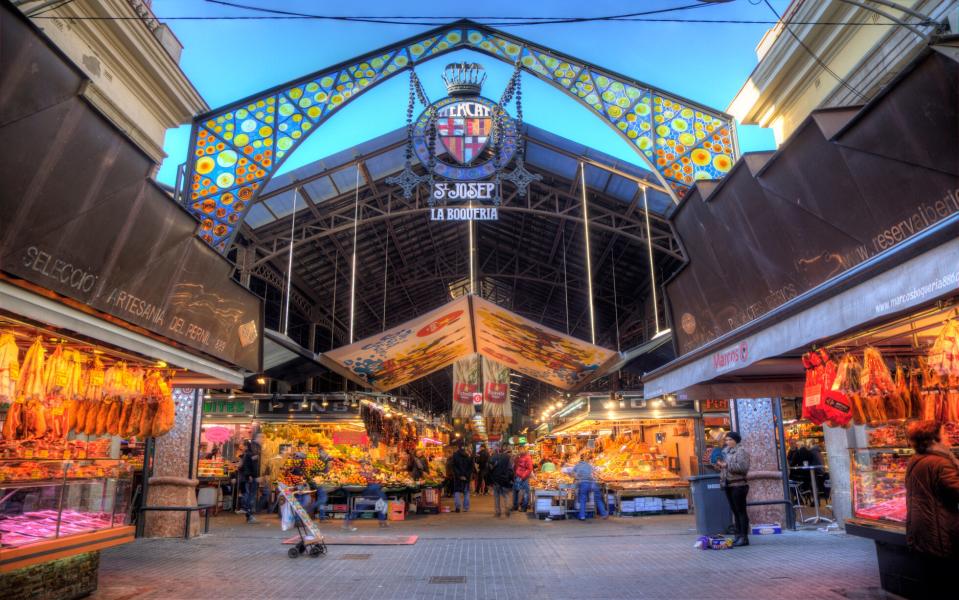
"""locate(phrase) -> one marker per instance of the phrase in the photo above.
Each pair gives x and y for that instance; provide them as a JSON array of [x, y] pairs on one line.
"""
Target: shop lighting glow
[[427, 440], [570, 408], [261, 380]]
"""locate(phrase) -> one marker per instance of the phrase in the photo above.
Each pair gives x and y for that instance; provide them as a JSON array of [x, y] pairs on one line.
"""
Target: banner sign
[[292, 407], [220, 408], [409, 351], [445, 335], [351, 438]]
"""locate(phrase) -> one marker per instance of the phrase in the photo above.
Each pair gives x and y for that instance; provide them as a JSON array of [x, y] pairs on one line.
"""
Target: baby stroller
[[310, 539]]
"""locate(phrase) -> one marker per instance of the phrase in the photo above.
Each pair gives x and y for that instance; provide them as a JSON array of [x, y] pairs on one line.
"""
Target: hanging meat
[[915, 394], [9, 366], [848, 382], [133, 424], [26, 417], [155, 386], [944, 354], [896, 402], [877, 385]]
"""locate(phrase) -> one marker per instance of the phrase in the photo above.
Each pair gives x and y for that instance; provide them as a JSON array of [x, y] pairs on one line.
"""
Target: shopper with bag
[[501, 477], [733, 470]]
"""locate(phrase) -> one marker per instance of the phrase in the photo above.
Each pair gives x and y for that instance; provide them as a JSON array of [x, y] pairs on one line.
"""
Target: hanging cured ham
[[877, 385], [63, 391], [848, 382], [9, 366]]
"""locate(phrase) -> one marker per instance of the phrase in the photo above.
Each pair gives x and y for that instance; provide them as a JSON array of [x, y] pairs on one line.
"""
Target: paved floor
[[639, 557]]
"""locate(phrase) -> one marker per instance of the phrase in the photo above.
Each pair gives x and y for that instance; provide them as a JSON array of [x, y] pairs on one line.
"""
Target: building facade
[[132, 62], [829, 53]]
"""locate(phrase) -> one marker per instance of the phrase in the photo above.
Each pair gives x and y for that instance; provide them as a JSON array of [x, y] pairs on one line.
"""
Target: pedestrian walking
[[733, 470], [522, 470], [932, 505], [585, 475], [482, 469], [250, 474], [462, 471], [501, 478]]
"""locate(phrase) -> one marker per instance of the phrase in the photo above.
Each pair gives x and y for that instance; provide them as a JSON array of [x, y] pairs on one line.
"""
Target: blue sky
[[228, 60]]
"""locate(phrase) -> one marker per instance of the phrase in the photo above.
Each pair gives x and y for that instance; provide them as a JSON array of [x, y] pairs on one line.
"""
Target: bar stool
[[798, 495]]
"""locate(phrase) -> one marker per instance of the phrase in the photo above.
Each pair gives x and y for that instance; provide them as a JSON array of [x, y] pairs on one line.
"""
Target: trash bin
[[711, 507]]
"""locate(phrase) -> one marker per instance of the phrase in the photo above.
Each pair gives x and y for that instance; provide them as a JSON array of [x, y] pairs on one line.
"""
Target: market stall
[[342, 443], [75, 415], [643, 453], [876, 382]]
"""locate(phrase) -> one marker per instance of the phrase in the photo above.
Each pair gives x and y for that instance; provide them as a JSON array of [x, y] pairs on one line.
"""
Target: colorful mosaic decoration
[[450, 333], [236, 149]]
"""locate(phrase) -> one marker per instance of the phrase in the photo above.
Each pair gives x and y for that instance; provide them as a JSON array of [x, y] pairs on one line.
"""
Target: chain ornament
[[408, 180], [520, 176]]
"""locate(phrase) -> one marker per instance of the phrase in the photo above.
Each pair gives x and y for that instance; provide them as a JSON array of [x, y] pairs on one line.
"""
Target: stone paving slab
[[522, 557]]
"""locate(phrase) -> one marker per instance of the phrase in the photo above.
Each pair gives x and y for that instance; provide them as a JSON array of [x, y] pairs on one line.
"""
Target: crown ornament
[[464, 79]]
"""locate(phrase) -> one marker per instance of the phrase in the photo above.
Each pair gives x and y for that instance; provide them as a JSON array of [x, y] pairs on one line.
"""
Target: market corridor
[[483, 557]]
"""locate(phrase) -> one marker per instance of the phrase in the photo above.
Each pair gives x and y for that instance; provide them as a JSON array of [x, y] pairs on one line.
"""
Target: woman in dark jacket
[[932, 501], [733, 469]]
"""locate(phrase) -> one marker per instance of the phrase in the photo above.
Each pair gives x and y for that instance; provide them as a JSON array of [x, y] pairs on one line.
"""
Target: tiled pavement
[[521, 557]]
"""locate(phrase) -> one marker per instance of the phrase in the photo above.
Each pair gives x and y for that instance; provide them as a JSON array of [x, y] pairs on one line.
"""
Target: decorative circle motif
[[457, 171]]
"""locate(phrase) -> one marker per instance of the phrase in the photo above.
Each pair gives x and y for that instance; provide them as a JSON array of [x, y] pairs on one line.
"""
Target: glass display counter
[[48, 499]]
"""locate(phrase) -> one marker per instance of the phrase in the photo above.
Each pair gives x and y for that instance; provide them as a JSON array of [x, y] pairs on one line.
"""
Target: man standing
[[250, 474], [501, 476], [586, 483], [482, 469], [462, 467], [522, 471]]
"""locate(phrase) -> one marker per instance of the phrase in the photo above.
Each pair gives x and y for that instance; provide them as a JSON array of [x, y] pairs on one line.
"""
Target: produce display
[[212, 467], [50, 395], [347, 466], [551, 480], [29, 527], [632, 460]]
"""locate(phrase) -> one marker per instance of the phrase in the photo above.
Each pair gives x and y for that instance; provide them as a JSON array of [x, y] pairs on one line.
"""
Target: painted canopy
[[466, 325]]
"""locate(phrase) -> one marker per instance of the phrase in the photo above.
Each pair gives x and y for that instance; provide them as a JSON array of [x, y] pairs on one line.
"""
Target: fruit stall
[[341, 443]]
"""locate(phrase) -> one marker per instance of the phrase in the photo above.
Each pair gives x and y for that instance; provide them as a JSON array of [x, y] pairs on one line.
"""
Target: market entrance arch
[[235, 150]]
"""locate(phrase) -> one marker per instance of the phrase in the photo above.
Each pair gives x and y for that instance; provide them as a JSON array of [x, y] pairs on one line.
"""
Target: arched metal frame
[[236, 149]]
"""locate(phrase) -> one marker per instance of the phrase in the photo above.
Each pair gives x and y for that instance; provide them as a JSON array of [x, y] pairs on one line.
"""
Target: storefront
[[863, 307], [368, 438], [110, 310], [644, 452]]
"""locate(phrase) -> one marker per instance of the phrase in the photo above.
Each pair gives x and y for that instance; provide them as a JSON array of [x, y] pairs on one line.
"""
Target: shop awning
[[286, 360], [462, 327]]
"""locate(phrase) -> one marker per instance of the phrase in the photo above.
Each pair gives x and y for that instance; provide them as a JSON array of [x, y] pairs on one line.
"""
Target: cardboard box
[[767, 529]]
